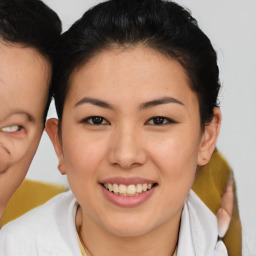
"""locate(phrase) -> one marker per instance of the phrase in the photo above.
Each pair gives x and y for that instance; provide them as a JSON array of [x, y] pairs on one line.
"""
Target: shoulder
[[198, 228], [200, 215], [45, 228], [55, 208]]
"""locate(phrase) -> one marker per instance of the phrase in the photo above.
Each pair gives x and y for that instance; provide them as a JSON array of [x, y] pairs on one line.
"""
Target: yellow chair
[[209, 185], [28, 196]]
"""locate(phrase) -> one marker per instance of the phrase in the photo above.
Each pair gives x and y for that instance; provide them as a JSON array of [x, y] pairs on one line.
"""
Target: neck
[[161, 241]]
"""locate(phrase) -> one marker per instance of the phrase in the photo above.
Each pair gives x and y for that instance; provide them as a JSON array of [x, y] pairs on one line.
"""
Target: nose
[[127, 149]]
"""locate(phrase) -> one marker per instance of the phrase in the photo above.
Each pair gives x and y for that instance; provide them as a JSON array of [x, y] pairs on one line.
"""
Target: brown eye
[[160, 120], [95, 120]]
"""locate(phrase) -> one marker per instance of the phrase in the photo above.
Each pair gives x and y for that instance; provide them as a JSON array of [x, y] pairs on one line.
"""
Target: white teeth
[[139, 188], [110, 187], [115, 188], [13, 128], [130, 190], [144, 187], [122, 189]]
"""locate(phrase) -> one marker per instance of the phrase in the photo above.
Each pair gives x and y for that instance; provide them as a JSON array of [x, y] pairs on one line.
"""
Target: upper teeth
[[130, 190], [13, 128]]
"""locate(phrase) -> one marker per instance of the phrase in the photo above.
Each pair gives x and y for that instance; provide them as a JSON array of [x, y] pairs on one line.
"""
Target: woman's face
[[130, 124], [24, 82]]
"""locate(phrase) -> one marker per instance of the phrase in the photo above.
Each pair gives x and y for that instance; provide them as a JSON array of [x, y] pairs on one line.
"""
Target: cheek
[[17, 150], [176, 160], [4, 158], [83, 156], [82, 160], [80, 154], [176, 157]]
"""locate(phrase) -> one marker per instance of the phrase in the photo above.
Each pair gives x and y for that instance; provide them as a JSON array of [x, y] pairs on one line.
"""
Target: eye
[[95, 120], [12, 129], [159, 120]]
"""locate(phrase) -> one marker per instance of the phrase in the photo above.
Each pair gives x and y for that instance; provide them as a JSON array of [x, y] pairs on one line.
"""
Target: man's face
[[24, 81]]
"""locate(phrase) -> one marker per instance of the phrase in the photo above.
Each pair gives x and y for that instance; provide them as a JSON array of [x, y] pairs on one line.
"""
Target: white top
[[50, 230]]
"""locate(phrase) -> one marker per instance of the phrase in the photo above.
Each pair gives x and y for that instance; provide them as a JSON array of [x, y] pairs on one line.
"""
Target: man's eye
[[13, 128], [95, 120], [159, 120]]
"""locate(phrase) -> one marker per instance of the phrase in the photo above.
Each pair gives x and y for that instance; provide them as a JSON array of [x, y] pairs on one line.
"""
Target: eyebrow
[[152, 103], [160, 101], [28, 116], [95, 102]]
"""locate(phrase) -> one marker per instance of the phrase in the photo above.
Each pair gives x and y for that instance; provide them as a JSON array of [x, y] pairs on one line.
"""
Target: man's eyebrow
[[96, 102], [160, 101], [28, 116]]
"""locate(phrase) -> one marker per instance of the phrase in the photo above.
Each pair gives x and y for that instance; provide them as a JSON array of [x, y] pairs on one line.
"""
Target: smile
[[128, 190]]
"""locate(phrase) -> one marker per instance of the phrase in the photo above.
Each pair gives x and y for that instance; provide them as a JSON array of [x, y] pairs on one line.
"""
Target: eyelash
[[91, 120], [163, 121], [156, 120]]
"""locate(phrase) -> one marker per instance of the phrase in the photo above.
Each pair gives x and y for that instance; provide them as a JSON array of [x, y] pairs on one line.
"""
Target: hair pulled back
[[160, 25]]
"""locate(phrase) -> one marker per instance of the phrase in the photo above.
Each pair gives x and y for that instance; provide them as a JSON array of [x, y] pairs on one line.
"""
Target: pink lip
[[127, 181], [127, 201]]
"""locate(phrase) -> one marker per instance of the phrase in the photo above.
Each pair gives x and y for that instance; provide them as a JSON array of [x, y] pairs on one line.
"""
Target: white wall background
[[231, 26]]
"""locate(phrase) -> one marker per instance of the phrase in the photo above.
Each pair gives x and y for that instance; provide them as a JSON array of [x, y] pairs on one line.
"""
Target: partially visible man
[[29, 32]]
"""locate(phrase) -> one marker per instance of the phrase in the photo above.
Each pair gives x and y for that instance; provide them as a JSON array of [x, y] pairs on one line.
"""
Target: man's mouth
[[129, 190]]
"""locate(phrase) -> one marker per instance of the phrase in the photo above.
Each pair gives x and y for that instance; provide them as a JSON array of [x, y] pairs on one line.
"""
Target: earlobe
[[209, 138], [52, 131]]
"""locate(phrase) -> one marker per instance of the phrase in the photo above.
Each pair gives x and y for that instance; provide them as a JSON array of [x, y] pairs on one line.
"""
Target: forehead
[[126, 72], [24, 77]]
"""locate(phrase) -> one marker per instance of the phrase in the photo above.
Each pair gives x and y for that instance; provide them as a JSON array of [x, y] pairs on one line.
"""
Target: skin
[[24, 81], [130, 144], [224, 214]]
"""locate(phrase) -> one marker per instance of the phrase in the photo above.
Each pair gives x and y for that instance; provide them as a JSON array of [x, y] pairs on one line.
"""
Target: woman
[[136, 86]]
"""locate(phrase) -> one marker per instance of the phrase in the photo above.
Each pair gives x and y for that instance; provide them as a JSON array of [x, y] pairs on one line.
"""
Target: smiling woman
[[132, 138], [135, 85]]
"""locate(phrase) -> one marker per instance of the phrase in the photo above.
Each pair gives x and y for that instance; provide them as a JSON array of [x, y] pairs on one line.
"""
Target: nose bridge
[[127, 149]]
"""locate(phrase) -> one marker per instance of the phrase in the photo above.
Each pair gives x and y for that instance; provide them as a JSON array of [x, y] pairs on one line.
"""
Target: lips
[[128, 192]]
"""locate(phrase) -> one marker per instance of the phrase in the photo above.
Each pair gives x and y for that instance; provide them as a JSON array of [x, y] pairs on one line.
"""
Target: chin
[[128, 228]]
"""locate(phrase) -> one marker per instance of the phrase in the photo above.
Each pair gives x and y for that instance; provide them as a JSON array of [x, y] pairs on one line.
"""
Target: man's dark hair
[[160, 25], [30, 23]]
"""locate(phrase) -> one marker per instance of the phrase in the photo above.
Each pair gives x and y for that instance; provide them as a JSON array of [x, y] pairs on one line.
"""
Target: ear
[[209, 138], [52, 131]]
